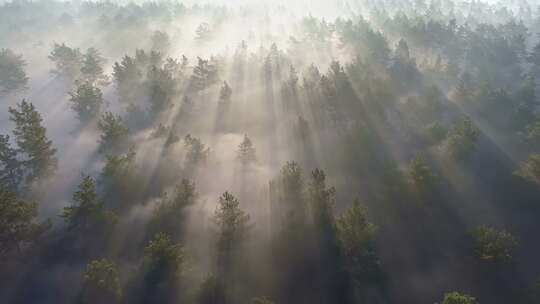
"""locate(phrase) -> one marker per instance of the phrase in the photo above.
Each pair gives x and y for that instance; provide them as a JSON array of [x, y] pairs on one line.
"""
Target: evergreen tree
[[231, 221], [356, 238], [163, 265], [92, 68], [12, 74], [162, 87], [86, 101], [11, 170], [225, 93], [462, 139], [530, 169], [87, 211], [128, 78], [232, 227], [39, 155], [68, 61], [18, 226], [197, 152], [421, 176], [114, 135], [101, 283], [493, 245], [170, 214], [246, 153], [205, 74]]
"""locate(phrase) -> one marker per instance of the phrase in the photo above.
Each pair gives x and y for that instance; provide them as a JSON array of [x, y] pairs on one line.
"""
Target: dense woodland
[[332, 152]]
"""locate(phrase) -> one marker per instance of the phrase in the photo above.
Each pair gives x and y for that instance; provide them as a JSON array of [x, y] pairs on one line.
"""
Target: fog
[[352, 151]]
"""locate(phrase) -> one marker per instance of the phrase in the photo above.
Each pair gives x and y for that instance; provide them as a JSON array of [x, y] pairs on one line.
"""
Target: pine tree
[[68, 61], [39, 155], [232, 227], [246, 153], [357, 242], [163, 264], [530, 169], [114, 135], [12, 74], [205, 74], [197, 152], [18, 226], [86, 101], [225, 93], [421, 176], [101, 283], [87, 211], [11, 170], [170, 214], [492, 245], [92, 68], [462, 139]]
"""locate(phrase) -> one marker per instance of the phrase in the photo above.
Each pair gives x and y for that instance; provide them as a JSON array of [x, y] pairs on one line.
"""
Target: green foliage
[[11, 170], [162, 87], [87, 211], [530, 169], [68, 61], [92, 68], [355, 232], [101, 283], [12, 74], [462, 139], [321, 199], [18, 226], [421, 176], [292, 183], [169, 215], [86, 101], [163, 258], [457, 298], [128, 77], [205, 74], [246, 153], [30, 135], [231, 221], [118, 165], [197, 152], [114, 135], [493, 245], [356, 238]]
